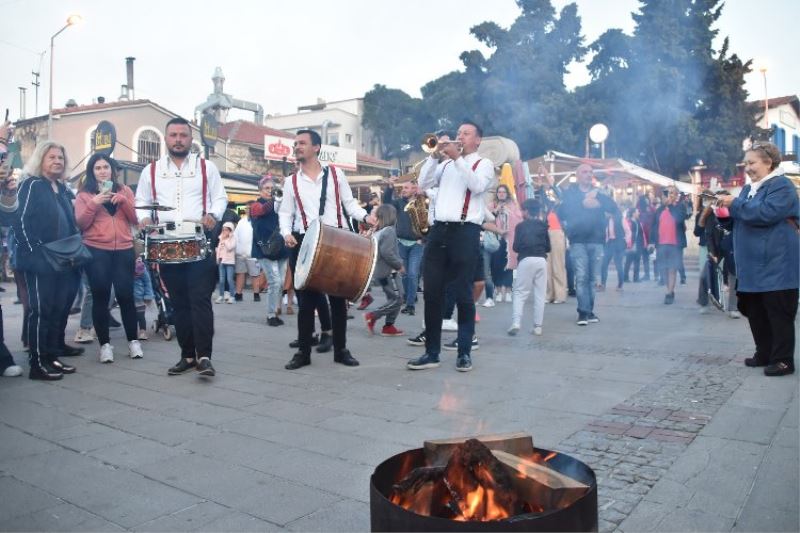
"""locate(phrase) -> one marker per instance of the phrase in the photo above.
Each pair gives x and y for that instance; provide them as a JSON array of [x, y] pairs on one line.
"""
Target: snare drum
[[335, 261], [169, 249]]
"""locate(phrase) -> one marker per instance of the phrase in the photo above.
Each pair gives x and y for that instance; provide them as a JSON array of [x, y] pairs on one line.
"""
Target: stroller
[[165, 321], [717, 290]]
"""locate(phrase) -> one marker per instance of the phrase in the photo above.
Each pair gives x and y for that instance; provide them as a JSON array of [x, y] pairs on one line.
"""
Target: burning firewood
[[438, 452]]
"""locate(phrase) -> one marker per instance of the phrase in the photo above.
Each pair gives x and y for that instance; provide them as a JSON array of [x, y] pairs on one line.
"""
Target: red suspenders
[[300, 202], [153, 184]]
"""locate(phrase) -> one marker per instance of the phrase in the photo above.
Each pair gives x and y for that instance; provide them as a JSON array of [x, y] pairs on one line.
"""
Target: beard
[[178, 153]]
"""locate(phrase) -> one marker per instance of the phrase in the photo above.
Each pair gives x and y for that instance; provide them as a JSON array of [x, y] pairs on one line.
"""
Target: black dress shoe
[[43, 373], [70, 351], [781, 368], [58, 366], [182, 366], [204, 367], [296, 343], [299, 360], [325, 343], [344, 357], [754, 361]]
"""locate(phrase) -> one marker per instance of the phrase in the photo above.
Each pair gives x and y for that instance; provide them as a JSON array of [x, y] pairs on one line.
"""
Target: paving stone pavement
[[654, 398]]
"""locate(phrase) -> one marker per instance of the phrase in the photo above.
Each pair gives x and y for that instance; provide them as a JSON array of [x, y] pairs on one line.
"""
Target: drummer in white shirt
[[453, 241], [177, 180], [311, 179]]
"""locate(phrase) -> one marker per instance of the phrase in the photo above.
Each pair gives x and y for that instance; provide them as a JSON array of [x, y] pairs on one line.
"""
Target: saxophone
[[417, 209]]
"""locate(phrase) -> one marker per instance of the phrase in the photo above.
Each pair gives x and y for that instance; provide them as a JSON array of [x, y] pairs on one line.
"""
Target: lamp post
[[71, 21], [598, 134], [763, 70]]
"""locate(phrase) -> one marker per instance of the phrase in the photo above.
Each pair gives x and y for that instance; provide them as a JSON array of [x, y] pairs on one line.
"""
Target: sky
[[286, 54]]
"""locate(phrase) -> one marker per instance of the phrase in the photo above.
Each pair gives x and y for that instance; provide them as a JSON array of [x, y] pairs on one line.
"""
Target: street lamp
[[598, 134], [71, 21], [763, 70]]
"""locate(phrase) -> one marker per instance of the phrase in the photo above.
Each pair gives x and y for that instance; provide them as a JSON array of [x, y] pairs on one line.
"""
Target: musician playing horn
[[194, 188], [316, 191], [453, 242], [409, 238]]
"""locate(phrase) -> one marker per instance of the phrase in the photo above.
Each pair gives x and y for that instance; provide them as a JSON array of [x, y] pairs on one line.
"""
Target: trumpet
[[431, 144]]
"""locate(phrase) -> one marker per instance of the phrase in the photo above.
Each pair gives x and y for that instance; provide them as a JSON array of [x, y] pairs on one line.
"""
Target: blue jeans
[[276, 274], [412, 260], [487, 273], [586, 259], [225, 272]]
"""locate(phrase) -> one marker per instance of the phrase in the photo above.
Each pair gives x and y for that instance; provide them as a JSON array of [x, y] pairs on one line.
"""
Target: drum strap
[[468, 196], [322, 196], [205, 185]]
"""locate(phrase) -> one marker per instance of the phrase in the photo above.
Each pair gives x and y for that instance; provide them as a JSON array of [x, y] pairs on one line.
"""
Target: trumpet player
[[453, 242]]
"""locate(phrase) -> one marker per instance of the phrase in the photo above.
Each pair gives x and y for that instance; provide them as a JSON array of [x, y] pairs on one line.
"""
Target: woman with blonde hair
[[45, 216]]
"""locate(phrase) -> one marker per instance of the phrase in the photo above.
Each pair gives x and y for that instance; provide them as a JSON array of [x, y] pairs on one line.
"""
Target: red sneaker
[[365, 302], [391, 331], [370, 320]]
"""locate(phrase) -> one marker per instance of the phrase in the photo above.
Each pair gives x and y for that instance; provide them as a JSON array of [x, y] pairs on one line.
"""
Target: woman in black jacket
[[46, 215]]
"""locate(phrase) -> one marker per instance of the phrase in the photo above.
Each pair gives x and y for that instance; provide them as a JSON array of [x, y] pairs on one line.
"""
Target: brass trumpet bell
[[429, 143]]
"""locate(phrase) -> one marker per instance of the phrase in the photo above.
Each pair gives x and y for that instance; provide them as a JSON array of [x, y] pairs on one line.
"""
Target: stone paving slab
[[654, 398]]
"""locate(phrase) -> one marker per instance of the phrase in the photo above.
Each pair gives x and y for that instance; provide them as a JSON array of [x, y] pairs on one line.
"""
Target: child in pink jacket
[[226, 259]]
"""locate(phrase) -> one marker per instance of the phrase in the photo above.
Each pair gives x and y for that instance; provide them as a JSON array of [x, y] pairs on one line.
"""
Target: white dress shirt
[[453, 178], [182, 188], [310, 191]]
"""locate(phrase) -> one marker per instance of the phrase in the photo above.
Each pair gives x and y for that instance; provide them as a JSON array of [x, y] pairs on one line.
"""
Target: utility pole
[[22, 102], [36, 84]]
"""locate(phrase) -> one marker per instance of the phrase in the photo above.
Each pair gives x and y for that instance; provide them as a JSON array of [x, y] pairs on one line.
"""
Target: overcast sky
[[286, 54]]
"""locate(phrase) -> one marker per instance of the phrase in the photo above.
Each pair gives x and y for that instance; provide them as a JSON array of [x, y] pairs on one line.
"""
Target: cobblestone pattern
[[635, 443]]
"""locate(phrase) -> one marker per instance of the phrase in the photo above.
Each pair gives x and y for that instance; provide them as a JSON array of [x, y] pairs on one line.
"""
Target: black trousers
[[6, 359], [771, 316], [50, 298], [451, 254], [190, 286], [308, 301], [107, 268]]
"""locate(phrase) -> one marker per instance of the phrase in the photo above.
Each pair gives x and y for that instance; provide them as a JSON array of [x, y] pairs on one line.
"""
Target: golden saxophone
[[417, 209]]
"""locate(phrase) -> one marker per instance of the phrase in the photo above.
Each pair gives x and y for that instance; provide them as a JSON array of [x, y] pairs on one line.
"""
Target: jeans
[[112, 268], [276, 274], [412, 261], [586, 259], [391, 308], [613, 252], [226, 272], [487, 273]]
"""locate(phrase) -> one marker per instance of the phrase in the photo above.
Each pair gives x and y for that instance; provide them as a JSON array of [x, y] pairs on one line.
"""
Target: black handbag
[[275, 246], [67, 253]]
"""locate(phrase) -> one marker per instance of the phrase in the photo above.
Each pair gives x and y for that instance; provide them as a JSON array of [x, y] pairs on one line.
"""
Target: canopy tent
[[613, 172]]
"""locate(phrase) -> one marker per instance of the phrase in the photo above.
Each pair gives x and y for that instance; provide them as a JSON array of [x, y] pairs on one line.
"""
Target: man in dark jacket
[[410, 244], [668, 234], [582, 212]]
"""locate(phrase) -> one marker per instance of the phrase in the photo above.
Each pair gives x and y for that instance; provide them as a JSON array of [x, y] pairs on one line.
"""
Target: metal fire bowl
[[386, 516]]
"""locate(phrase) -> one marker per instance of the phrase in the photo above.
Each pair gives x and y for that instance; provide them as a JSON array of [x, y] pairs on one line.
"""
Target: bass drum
[[335, 261]]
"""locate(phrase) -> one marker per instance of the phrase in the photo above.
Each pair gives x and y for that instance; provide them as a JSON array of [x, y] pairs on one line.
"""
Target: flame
[[449, 401], [550, 456]]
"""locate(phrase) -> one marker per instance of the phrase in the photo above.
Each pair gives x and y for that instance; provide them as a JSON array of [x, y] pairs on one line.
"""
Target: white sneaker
[[143, 335], [84, 336], [735, 314], [135, 350], [228, 299], [12, 371], [508, 297], [285, 299], [489, 302], [449, 325], [513, 330], [219, 299], [106, 353], [537, 330]]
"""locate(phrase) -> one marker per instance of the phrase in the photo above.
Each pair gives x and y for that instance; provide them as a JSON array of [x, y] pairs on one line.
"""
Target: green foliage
[[396, 118]]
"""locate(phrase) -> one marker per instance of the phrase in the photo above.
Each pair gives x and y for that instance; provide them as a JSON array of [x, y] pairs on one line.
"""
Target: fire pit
[[493, 483]]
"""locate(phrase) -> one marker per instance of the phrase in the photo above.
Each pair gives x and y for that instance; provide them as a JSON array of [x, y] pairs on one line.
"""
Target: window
[[333, 139], [348, 138], [148, 146]]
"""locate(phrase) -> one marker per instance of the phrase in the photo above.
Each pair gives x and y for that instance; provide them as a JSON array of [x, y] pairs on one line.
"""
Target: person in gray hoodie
[[388, 265]]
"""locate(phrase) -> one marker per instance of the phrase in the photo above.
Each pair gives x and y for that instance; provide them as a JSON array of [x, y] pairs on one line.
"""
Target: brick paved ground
[[655, 398]]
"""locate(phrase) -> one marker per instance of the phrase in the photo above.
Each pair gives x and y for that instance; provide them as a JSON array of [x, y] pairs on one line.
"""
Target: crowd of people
[[477, 244]]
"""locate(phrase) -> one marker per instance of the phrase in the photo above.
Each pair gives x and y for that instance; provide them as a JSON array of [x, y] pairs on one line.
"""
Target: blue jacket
[[765, 242]]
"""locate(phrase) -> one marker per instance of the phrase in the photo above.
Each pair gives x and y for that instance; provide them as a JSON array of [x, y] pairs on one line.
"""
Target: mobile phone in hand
[[106, 186]]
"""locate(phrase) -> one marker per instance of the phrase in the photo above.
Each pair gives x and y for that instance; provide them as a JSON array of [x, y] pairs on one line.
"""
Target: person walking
[[532, 244], [388, 265]]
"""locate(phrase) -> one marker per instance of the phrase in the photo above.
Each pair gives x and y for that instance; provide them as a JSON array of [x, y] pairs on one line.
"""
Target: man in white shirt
[[177, 180], [453, 243], [295, 217]]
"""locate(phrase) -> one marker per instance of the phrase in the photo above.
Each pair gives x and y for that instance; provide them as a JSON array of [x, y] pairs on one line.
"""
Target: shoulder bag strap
[[338, 202], [323, 197], [468, 195], [299, 201]]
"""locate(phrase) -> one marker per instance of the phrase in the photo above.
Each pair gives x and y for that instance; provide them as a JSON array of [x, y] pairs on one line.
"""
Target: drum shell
[[175, 249], [342, 264]]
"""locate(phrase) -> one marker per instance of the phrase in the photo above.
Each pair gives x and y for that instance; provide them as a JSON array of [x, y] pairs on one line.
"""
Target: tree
[[396, 118]]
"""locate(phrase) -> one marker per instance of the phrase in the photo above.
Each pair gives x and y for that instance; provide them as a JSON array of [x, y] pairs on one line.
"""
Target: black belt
[[458, 223]]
